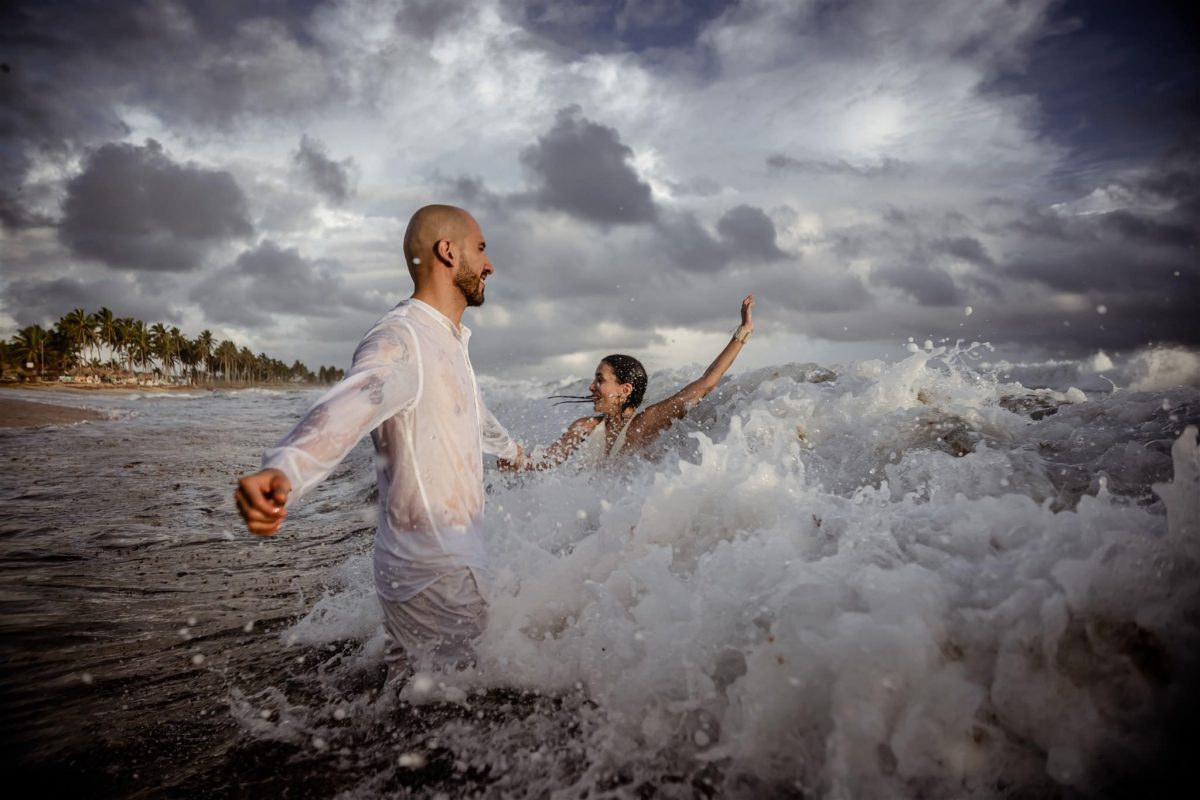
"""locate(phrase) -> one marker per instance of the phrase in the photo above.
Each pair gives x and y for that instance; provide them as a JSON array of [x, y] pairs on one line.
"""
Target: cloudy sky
[[869, 169]]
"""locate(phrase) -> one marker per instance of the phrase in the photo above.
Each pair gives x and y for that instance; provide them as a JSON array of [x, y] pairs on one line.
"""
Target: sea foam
[[876, 580]]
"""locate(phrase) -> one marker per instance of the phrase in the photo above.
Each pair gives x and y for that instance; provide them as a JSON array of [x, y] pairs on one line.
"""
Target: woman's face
[[608, 394]]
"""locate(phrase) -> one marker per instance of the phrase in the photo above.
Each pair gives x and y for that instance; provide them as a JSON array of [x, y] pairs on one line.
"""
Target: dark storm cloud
[[584, 26], [966, 248], [1068, 280], [425, 19], [1146, 250], [906, 255], [331, 178], [927, 285], [134, 208], [72, 66], [471, 192], [745, 235], [583, 169], [750, 232], [35, 301], [14, 216], [689, 246], [1112, 86], [269, 280], [41, 108]]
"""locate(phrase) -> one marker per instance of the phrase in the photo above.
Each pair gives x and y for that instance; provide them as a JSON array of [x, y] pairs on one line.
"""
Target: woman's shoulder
[[585, 424]]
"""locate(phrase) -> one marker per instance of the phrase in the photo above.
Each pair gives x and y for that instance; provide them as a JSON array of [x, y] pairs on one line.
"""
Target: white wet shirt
[[412, 386]]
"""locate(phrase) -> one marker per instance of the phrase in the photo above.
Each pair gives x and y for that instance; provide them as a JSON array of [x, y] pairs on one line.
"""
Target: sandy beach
[[26, 414]]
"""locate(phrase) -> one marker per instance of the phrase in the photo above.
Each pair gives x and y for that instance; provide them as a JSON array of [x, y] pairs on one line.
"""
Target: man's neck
[[450, 303]]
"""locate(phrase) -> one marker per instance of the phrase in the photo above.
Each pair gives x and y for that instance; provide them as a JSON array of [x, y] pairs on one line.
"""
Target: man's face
[[474, 268]]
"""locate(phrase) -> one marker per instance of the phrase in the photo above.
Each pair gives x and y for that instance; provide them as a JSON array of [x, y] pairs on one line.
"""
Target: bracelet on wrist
[[742, 334]]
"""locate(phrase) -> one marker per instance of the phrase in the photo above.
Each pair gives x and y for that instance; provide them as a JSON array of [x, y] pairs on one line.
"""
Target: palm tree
[[132, 343], [107, 333], [204, 349], [78, 330], [126, 328], [187, 358], [245, 360], [31, 346], [139, 345], [226, 354], [160, 346]]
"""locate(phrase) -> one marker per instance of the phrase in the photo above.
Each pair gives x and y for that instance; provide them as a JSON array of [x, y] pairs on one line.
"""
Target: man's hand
[[260, 500]]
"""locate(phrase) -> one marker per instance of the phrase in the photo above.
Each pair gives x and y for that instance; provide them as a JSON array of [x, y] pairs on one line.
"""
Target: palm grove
[[103, 344]]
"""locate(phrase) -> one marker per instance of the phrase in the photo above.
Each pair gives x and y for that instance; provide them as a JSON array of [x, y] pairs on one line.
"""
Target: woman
[[616, 392]]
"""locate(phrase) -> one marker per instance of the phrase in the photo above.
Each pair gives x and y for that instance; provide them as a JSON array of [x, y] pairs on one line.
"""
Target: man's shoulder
[[400, 320], [391, 338]]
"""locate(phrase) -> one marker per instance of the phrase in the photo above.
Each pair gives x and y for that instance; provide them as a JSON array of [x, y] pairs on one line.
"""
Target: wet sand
[[26, 414]]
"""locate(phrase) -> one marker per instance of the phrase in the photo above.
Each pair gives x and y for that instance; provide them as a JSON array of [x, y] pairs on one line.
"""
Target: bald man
[[412, 387]]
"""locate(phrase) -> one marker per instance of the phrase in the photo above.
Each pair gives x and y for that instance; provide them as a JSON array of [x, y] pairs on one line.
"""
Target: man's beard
[[470, 283]]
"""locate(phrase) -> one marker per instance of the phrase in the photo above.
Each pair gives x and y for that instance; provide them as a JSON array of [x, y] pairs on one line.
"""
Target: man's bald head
[[431, 225]]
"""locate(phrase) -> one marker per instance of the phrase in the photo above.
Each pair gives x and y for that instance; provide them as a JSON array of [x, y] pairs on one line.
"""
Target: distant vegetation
[[113, 349]]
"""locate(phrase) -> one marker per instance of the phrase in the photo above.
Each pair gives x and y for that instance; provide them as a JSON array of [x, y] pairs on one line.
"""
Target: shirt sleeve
[[496, 439], [383, 380]]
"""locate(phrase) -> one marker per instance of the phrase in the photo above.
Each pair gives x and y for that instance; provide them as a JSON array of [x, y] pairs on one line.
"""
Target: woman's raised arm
[[651, 421]]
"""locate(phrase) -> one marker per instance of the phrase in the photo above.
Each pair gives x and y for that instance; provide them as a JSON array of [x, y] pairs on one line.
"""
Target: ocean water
[[936, 577]]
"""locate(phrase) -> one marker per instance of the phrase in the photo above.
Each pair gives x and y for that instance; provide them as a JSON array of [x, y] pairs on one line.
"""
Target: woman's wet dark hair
[[628, 370]]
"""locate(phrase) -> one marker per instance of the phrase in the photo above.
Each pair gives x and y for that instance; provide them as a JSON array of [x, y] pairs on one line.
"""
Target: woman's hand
[[747, 308]]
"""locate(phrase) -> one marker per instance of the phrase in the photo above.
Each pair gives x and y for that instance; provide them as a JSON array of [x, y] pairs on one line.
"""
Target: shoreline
[[124, 388], [28, 414], [33, 413]]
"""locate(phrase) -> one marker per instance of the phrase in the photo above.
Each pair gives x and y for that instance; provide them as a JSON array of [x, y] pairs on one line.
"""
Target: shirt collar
[[460, 331]]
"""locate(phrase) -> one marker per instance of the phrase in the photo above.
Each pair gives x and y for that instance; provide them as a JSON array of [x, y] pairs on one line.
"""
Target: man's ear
[[444, 250]]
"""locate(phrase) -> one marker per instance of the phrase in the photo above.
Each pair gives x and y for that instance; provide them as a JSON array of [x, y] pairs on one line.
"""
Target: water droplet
[[700, 738], [249, 626], [968, 311], [191, 622], [339, 713], [422, 684], [265, 713], [412, 760], [198, 659], [86, 678], [1101, 309], [416, 260], [319, 743]]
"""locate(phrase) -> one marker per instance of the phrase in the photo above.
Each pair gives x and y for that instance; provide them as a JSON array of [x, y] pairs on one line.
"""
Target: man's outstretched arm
[[382, 382]]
